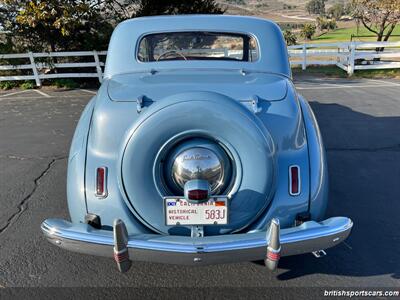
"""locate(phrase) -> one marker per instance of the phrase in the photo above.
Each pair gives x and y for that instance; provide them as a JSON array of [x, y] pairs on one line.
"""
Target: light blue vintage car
[[197, 149]]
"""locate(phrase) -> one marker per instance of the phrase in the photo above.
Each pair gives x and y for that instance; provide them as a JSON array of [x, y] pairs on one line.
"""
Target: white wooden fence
[[39, 69], [350, 57]]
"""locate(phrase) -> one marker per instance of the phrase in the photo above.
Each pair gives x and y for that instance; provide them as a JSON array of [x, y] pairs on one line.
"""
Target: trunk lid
[[234, 84]]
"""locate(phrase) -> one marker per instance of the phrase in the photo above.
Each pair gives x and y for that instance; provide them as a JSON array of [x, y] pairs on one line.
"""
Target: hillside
[[283, 11]]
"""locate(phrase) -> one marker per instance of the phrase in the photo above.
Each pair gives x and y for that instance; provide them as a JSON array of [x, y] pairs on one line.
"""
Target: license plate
[[178, 211]]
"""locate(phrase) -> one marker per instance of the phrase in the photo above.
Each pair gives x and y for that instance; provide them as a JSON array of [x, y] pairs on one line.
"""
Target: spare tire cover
[[220, 118]]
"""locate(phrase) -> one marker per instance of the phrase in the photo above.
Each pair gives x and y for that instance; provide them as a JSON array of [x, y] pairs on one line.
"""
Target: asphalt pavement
[[360, 124]]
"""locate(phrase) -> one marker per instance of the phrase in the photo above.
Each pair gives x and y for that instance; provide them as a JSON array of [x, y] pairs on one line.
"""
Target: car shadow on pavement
[[364, 173]]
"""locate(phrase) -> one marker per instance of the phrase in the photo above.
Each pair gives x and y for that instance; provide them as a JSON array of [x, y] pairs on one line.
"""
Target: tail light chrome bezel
[[101, 182], [292, 180]]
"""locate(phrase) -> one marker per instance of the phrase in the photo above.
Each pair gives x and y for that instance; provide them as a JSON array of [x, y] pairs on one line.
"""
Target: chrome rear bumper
[[308, 237]]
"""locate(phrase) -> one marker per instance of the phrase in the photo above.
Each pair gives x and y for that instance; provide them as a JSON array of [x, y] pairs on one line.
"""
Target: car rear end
[[194, 160]]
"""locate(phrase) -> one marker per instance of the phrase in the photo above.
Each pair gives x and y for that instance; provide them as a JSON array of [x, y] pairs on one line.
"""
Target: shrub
[[332, 24], [326, 24], [7, 85], [336, 11], [290, 37], [286, 6], [290, 26], [308, 31], [27, 85], [66, 83]]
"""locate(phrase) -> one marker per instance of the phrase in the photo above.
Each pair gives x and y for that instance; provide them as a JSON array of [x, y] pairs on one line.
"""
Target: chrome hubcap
[[206, 161]]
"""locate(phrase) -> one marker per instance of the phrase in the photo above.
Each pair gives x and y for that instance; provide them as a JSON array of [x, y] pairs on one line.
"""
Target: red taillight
[[198, 194], [101, 182], [294, 180]]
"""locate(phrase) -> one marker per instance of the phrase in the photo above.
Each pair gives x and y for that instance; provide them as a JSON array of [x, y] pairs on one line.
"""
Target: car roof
[[121, 56]]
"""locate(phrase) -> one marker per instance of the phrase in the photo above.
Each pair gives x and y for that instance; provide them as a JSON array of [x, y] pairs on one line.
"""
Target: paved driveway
[[360, 123]]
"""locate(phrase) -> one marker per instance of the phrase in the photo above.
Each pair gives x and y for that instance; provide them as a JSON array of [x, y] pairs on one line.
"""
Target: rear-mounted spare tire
[[211, 121]]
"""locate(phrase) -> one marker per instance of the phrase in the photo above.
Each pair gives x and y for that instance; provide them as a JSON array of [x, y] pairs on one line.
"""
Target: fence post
[[304, 63], [34, 69], [350, 63], [98, 67]]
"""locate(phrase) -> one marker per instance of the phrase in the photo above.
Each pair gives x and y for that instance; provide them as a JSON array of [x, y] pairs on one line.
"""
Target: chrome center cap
[[199, 163]]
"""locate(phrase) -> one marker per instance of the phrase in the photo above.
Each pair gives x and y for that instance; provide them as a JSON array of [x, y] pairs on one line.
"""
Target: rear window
[[197, 46]]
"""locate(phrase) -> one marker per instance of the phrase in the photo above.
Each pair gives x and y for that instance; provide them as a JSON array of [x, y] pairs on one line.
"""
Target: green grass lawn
[[336, 72], [344, 35]]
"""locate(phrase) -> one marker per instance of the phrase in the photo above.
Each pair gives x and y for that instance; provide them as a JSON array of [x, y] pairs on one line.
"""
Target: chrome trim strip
[[308, 237], [143, 35]]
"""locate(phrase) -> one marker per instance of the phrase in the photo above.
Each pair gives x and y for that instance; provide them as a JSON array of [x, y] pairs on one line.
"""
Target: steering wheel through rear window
[[169, 52]]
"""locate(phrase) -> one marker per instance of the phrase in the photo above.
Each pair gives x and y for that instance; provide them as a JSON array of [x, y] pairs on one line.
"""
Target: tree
[[378, 16], [336, 11], [67, 25], [308, 31], [174, 7], [53, 25], [177, 7], [316, 7], [289, 37], [348, 8]]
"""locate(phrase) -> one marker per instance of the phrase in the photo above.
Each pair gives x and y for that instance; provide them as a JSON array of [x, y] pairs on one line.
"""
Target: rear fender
[[318, 166], [285, 122], [76, 166], [102, 152]]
